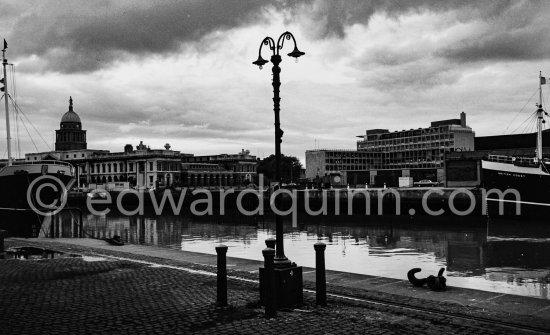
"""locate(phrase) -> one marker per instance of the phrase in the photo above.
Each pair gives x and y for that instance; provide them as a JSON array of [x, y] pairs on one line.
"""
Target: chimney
[[463, 119]]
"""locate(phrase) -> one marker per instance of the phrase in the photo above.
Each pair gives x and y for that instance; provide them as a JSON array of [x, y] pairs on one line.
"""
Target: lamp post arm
[[267, 41], [286, 35]]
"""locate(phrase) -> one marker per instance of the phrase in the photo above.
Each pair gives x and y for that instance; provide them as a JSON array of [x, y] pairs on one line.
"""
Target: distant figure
[[384, 185]]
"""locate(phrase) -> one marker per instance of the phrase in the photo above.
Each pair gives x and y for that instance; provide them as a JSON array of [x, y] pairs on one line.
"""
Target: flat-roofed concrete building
[[339, 166], [385, 156], [418, 153]]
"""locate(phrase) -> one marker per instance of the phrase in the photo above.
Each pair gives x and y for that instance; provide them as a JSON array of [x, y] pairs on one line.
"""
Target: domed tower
[[70, 136]]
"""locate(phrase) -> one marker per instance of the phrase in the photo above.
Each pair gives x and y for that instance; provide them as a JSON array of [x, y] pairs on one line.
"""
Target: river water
[[498, 256]]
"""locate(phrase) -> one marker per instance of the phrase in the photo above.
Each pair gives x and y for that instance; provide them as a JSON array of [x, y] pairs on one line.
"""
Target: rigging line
[[543, 101], [528, 126], [528, 118], [13, 86], [530, 122], [18, 116], [534, 124], [533, 127], [30, 137], [16, 125], [548, 91], [32, 125], [522, 108]]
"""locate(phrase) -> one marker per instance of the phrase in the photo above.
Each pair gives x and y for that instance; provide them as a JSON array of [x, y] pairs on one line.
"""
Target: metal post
[[221, 251], [81, 224], [2, 236], [283, 271], [270, 242], [320, 276], [52, 224], [81, 227], [6, 95], [270, 310], [280, 259]]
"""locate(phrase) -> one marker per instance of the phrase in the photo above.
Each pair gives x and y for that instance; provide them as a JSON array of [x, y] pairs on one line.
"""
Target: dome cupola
[[70, 135], [70, 116]]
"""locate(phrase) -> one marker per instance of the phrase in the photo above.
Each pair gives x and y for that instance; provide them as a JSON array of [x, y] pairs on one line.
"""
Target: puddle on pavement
[[94, 259], [32, 253], [35, 253]]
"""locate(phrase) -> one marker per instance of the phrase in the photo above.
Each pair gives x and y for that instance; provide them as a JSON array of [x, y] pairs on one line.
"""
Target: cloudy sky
[[181, 72]]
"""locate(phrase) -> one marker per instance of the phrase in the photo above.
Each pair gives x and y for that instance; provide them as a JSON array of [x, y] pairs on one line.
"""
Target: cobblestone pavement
[[75, 295]]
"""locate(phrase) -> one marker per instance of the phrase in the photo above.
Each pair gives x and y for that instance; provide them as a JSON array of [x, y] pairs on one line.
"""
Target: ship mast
[[540, 115], [4, 64]]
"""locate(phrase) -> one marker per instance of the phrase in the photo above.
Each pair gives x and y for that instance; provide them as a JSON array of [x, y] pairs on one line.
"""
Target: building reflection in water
[[499, 256]]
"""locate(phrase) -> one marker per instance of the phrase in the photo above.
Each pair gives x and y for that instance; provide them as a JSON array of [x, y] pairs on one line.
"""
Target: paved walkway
[[148, 290]]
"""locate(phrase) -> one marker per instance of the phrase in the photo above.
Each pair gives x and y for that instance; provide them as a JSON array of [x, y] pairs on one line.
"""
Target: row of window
[[407, 147], [416, 139], [107, 168], [71, 137], [409, 133], [116, 167]]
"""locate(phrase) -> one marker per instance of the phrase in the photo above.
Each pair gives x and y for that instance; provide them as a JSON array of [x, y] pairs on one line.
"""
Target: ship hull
[[531, 183], [21, 217]]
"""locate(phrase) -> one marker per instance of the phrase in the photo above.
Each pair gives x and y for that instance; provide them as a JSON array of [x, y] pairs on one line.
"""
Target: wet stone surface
[[72, 295]]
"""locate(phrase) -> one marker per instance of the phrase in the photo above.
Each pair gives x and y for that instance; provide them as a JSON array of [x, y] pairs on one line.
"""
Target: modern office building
[[339, 166], [385, 156]]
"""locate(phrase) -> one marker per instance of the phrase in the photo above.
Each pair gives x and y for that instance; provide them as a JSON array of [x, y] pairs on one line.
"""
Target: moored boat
[[526, 180], [29, 190]]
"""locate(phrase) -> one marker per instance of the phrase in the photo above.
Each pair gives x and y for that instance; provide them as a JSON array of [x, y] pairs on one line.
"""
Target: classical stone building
[[206, 175], [70, 135], [235, 169], [144, 167]]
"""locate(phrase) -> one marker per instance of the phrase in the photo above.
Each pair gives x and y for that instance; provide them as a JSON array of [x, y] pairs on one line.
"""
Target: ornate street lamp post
[[280, 259]]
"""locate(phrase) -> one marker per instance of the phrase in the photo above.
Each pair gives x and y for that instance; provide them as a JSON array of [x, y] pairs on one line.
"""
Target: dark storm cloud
[[515, 30], [518, 33], [331, 17], [85, 35]]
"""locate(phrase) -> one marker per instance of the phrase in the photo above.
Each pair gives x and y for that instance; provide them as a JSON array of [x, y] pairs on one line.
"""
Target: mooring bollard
[[2, 236], [270, 242], [270, 310], [320, 276], [221, 250]]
